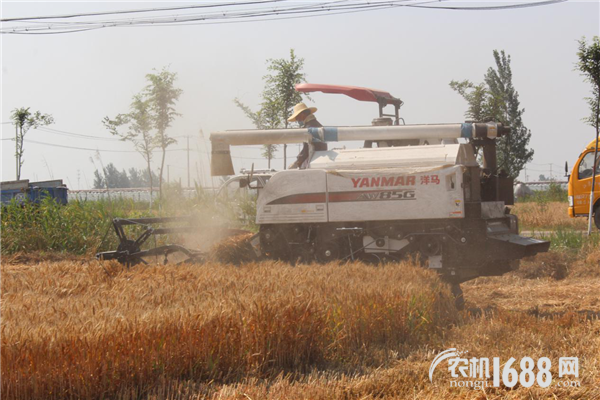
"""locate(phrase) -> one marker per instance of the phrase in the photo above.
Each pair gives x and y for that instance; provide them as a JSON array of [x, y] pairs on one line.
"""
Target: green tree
[[278, 99], [265, 118], [99, 181], [162, 95], [139, 131], [589, 65], [497, 100], [136, 178], [111, 178], [23, 119]]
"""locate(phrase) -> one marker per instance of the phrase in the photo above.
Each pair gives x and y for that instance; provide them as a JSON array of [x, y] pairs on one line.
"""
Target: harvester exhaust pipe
[[222, 165]]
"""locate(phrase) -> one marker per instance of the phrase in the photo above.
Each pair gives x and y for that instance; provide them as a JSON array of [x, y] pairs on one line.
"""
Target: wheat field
[[91, 330], [547, 216]]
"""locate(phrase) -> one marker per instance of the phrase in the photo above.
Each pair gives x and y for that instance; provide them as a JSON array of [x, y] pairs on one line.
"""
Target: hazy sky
[[80, 78]]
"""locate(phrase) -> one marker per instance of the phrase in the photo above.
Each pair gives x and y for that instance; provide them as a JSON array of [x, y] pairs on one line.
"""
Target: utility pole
[[198, 179], [188, 159], [285, 155], [17, 148], [594, 169], [168, 173]]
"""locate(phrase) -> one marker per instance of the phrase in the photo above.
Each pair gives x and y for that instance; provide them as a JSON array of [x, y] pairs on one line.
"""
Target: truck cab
[[580, 185]]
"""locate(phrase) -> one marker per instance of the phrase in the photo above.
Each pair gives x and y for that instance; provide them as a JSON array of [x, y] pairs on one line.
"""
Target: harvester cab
[[420, 192]]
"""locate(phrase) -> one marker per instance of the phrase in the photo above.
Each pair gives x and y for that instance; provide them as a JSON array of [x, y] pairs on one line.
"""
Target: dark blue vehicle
[[34, 192]]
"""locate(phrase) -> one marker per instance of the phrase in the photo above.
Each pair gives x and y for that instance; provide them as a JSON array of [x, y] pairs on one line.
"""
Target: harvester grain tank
[[382, 203]]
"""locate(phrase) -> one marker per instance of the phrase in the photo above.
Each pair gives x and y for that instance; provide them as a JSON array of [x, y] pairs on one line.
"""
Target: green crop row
[[85, 227]]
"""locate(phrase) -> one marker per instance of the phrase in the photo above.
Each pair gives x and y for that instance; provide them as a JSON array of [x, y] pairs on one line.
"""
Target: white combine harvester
[[418, 192]]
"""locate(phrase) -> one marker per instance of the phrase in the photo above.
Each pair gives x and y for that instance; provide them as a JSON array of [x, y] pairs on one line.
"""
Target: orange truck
[[580, 185]]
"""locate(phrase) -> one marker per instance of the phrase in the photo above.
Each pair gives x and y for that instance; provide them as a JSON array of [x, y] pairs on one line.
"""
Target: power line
[[178, 19], [208, 15], [244, 15], [72, 134], [121, 151], [78, 135], [78, 148], [89, 149], [135, 11], [493, 8], [254, 19]]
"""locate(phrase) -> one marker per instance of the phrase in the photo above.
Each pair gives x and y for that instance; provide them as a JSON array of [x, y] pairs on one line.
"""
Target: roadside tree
[[278, 99], [23, 119], [589, 65], [497, 100]]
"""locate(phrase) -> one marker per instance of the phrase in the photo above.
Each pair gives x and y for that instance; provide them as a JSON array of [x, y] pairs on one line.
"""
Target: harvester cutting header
[[412, 189]]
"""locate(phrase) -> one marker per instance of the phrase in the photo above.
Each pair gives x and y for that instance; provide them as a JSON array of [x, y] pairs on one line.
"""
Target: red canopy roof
[[358, 93]]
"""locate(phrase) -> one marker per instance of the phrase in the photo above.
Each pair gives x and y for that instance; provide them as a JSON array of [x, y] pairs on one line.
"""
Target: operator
[[306, 118]]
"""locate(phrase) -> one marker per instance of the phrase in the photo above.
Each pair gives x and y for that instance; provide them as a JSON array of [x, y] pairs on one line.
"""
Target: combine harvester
[[414, 190], [419, 191]]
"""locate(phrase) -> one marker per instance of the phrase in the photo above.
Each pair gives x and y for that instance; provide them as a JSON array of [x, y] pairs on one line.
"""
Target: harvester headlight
[[570, 201]]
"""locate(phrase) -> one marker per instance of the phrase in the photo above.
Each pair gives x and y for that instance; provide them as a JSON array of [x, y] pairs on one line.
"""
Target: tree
[[162, 95], [497, 100], [23, 119], [99, 181], [589, 65], [265, 118], [136, 178], [111, 178], [280, 87], [278, 98], [139, 131]]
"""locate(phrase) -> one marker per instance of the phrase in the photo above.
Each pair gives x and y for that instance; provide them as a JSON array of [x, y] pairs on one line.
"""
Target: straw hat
[[298, 108]]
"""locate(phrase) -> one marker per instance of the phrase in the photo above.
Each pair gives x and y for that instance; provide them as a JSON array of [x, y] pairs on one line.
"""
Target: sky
[[80, 78]]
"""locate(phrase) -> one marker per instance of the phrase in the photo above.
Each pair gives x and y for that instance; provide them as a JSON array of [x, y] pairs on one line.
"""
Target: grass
[[85, 227], [546, 216], [570, 240], [554, 193], [96, 330]]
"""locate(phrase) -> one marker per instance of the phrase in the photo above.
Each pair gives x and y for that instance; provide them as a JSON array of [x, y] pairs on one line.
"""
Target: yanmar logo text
[[384, 181], [393, 181]]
